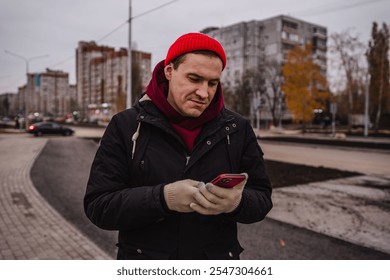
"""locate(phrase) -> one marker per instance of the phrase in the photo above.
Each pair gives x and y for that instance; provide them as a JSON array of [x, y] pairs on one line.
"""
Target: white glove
[[214, 200], [180, 194]]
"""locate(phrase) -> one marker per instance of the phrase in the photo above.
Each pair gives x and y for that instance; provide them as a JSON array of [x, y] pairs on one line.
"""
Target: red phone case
[[228, 180]]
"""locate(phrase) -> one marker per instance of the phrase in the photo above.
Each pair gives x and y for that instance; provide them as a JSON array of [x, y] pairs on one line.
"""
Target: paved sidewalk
[[29, 227], [354, 209]]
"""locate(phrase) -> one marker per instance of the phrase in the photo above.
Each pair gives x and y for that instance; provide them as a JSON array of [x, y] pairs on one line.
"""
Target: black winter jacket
[[125, 187]]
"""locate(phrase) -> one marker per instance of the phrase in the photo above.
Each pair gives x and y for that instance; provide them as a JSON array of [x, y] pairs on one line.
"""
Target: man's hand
[[180, 194], [214, 200]]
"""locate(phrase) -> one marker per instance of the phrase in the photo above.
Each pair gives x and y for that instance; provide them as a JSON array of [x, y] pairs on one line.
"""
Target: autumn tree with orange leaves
[[305, 87]]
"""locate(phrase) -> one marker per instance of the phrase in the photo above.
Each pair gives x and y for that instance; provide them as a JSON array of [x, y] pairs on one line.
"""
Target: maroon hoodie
[[187, 127]]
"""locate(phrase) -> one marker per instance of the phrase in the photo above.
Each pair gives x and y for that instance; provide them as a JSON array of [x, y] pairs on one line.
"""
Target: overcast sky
[[32, 28]]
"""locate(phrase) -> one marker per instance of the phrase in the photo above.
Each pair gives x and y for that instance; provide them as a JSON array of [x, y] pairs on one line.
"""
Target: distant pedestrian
[[17, 124], [150, 178]]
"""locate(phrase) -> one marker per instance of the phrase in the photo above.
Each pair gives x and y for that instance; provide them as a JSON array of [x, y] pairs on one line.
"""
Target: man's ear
[[168, 71]]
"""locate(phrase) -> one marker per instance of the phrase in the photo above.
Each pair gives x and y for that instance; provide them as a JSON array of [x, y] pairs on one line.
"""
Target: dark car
[[41, 128]]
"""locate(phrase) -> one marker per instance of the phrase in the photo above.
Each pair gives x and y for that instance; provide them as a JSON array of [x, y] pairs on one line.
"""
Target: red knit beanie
[[195, 42]]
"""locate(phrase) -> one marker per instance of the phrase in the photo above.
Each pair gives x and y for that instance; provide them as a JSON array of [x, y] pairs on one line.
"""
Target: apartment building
[[8, 103], [252, 45], [102, 79], [53, 89], [45, 94], [71, 99], [20, 99], [86, 64], [247, 44]]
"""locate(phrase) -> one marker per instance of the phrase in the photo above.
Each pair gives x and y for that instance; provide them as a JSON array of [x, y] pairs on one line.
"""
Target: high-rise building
[[102, 79], [143, 61], [250, 46], [8, 102], [53, 89], [71, 99], [247, 44], [20, 99], [87, 74], [44, 94]]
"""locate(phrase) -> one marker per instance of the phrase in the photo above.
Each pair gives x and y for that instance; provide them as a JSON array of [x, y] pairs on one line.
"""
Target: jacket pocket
[[221, 252], [130, 252]]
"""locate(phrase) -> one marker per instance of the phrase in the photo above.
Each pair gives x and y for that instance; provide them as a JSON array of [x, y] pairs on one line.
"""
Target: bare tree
[[346, 55], [273, 92], [243, 94], [261, 90], [378, 60]]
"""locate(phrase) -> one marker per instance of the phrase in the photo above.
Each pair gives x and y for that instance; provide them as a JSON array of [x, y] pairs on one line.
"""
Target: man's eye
[[193, 79], [213, 84]]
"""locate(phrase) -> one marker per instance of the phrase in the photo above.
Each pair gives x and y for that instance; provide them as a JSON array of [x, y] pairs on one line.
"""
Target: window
[[290, 36], [294, 37], [287, 46], [289, 24], [319, 30]]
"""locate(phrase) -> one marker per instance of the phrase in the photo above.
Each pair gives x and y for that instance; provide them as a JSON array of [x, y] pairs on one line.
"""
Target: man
[[150, 176]]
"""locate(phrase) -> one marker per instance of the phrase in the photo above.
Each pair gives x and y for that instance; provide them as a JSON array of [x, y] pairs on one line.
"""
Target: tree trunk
[[380, 94]]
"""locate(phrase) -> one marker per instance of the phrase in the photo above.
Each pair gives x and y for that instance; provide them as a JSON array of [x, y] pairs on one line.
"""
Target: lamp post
[[26, 95], [129, 63], [129, 50], [366, 106]]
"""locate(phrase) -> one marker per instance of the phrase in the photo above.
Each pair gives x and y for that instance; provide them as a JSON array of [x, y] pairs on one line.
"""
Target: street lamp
[[26, 95], [366, 105], [129, 62]]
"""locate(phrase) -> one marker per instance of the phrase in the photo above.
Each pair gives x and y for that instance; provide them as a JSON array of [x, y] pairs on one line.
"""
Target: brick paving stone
[[29, 227]]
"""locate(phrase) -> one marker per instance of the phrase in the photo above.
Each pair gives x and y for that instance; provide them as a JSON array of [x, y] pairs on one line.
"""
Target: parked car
[[41, 128], [6, 119]]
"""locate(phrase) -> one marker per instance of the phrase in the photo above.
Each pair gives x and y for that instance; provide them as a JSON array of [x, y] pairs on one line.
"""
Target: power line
[[63, 61], [321, 11], [154, 9], [119, 27], [101, 39], [113, 31]]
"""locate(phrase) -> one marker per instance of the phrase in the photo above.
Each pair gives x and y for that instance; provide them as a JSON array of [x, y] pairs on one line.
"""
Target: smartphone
[[228, 180]]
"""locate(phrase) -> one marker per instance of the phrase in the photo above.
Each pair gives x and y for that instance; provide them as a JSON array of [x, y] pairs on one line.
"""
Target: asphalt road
[[60, 174], [367, 161]]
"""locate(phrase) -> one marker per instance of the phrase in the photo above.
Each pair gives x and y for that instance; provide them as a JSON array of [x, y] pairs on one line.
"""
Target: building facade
[[53, 89], [253, 46], [46, 94], [101, 73], [8, 105], [247, 44]]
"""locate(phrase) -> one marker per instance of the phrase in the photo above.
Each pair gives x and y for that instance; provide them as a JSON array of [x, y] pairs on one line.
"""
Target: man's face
[[193, 84]]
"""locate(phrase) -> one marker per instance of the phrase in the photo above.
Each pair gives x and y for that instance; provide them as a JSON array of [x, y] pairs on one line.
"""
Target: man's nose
[[202, 91]]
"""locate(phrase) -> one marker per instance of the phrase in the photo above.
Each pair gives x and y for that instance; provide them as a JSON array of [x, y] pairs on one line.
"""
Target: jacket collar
[[149, 112], [212, 132]]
